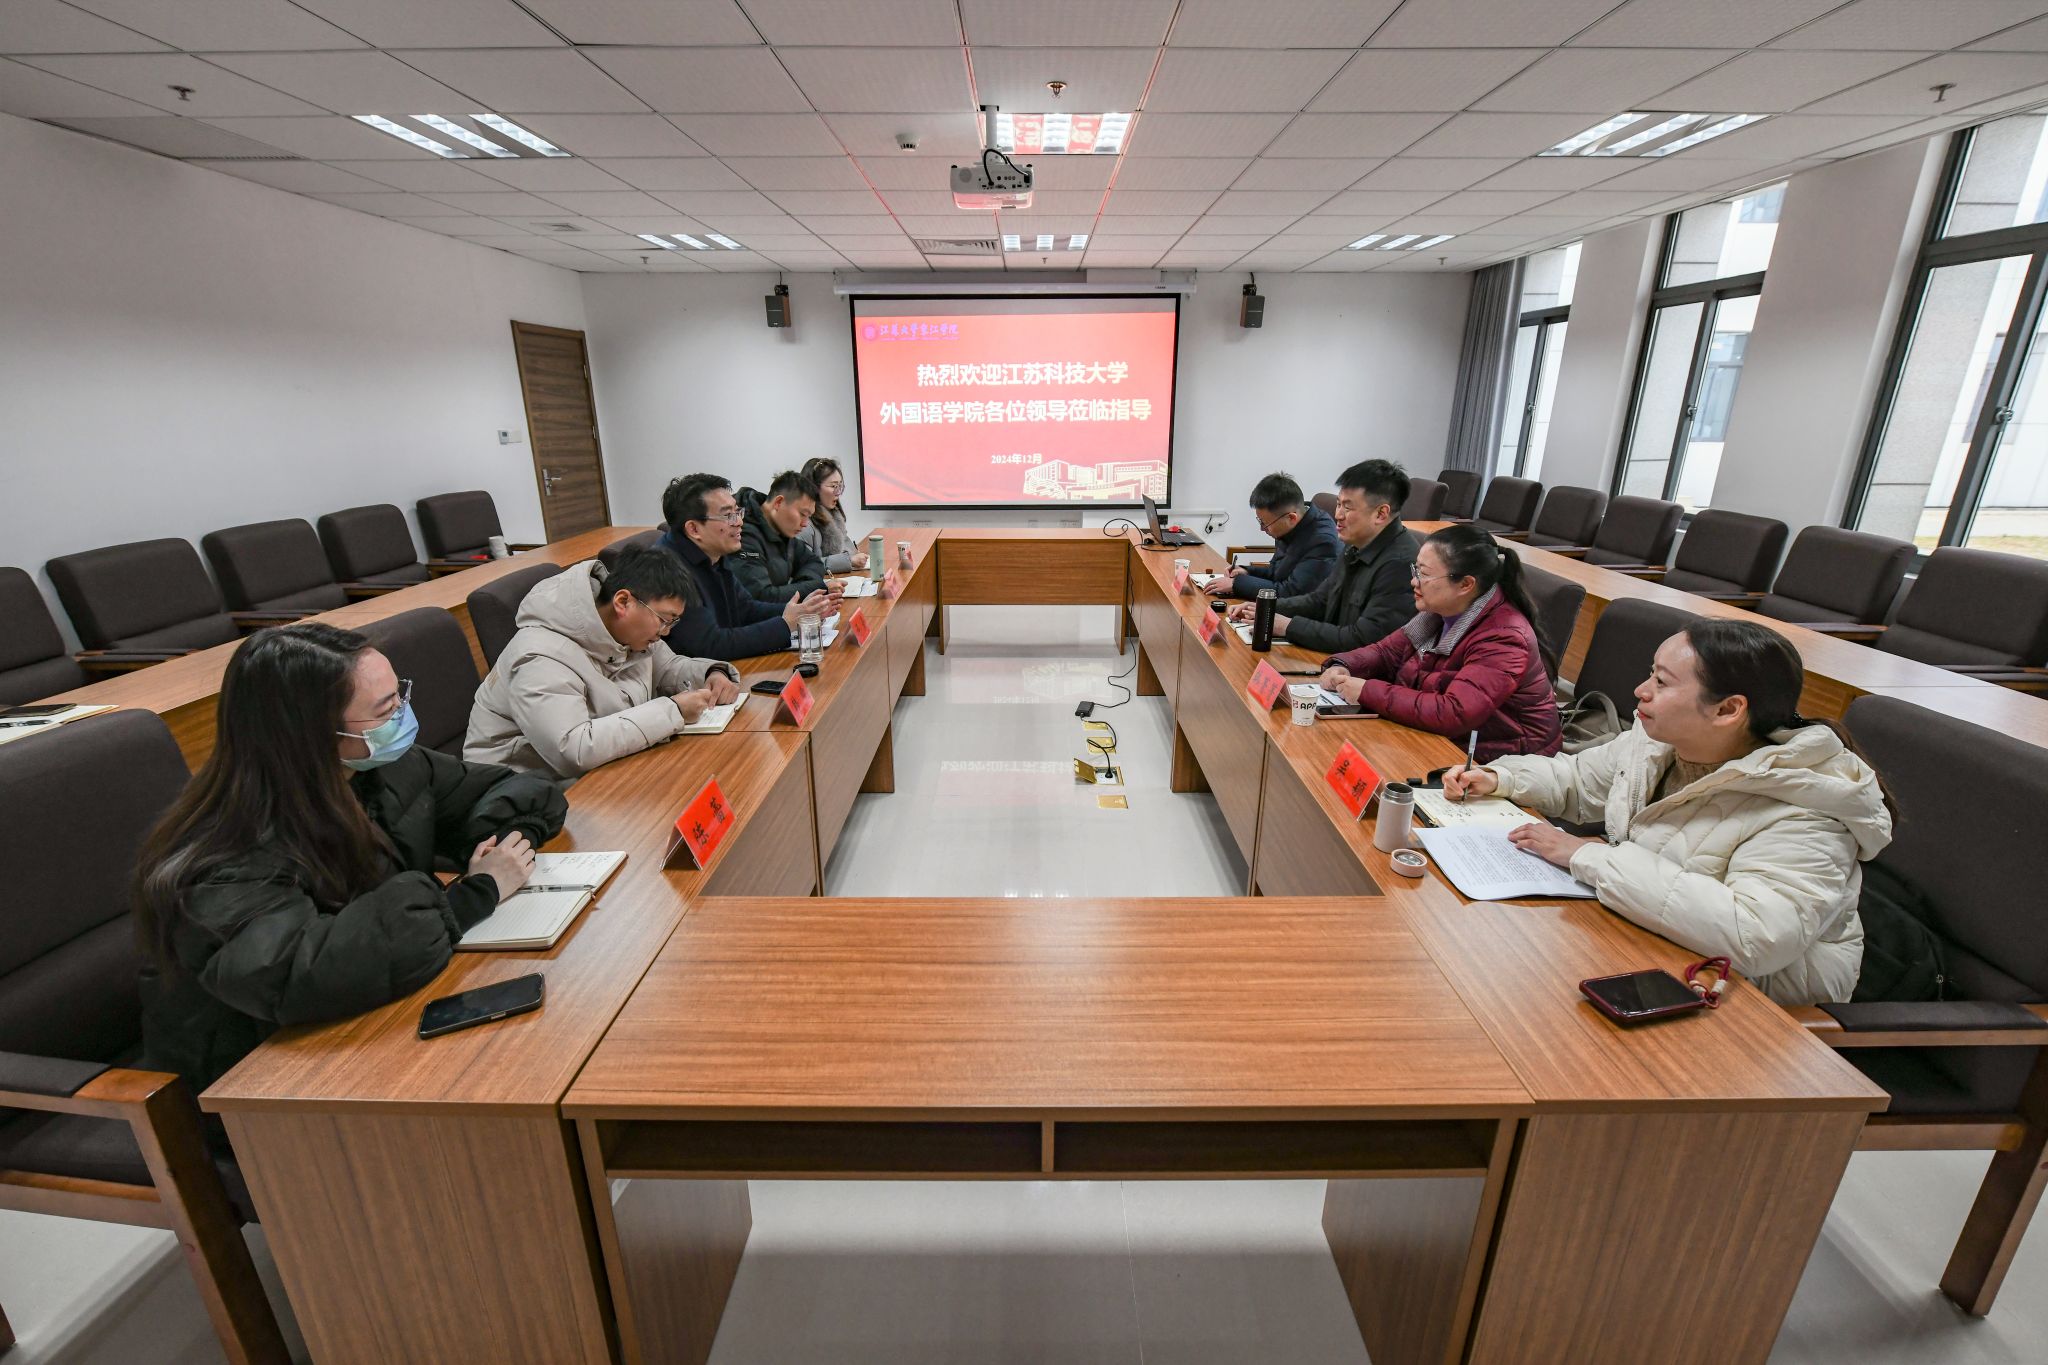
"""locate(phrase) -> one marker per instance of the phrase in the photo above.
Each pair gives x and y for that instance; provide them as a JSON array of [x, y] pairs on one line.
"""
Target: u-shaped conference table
[[1511, 1179]]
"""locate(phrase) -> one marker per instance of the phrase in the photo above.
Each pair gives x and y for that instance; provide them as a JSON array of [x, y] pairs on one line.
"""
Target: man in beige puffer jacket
[[587, 678]]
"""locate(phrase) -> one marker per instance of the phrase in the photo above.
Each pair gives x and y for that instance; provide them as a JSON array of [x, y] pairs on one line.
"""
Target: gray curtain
[[1479, 404]]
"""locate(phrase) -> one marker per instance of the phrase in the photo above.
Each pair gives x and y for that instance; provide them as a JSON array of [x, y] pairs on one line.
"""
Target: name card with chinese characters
[[796, 699], [1353, 779], [1180, 580], [1266, 685], [892, 584], [703, 824], [857, 626], [1211, 627]]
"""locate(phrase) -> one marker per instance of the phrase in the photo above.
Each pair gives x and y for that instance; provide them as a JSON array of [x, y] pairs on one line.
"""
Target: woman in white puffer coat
[[1734, 826]]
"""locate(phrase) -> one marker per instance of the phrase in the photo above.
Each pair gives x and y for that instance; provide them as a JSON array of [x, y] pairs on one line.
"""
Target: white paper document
[[1473, 810], [1484, 866]]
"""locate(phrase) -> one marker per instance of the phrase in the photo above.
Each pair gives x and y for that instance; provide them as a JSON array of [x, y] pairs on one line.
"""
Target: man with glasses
[[587, 678], [1305, 544], [727, 621], [1369, 596]]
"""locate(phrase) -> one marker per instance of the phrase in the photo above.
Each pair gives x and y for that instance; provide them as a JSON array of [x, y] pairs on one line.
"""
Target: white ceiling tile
[[30, 93], [1535, 226], [550, 173], [1058, 174], [868, 135], [1325, 135], [1774, 81], [921, 201], [610, 135], [1555, 173], [1498, 203], [348, 82], [800, 172], [932, 224], [722, 203], [1374, 203], [849, 225], [51, 26], [1976, 76], [2031, 37], [148, 77], [1488, 23], [440, 23], [878, 80], [1240, 80], [448, 224], [1098, 78], [1098, 23], [1224, 241], [170, 136], [1600, 80], [906, 173], [1431, 173], [386, 204], [1063, 201], [1313, 234], [1122, 241], [1303, 173], [1431, 223], [1498, 134], [603, 203], [225, 25], [1409, 80], [556, 81], [1125, 202], [298, 177], [432, 173], [806, 260], [1238, 224], [549, 224], [1790, 135], [759, 134], [1180, 172], [1233, 204], [1202, 134], [673, 173], [827, 201], [657, 259], [1279, 23], [1911, 25], [1032, 224], [1120, 260], [493, 204], [1677, 172], [665, 23], [329, 137], [1152, 224], [900, 23], [660, 225], [1199, 260], [1688, 23]]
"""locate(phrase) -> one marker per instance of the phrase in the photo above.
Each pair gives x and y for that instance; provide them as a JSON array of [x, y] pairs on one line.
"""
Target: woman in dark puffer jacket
[[293, 882], [1468, 661]]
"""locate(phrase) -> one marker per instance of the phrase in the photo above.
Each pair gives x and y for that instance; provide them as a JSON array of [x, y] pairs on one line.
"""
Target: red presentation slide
[[1019, 409]]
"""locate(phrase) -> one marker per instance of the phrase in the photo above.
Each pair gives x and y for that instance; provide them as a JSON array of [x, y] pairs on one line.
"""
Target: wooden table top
[[1001, 1008]]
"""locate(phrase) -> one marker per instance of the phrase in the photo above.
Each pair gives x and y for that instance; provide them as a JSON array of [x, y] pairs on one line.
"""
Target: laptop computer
[[1162, 535]]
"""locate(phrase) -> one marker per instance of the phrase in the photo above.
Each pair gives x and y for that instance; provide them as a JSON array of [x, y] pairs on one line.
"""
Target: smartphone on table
[[467, 1009]]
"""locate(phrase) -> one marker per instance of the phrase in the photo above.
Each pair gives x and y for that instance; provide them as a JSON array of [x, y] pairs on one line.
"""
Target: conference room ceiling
[[1268, 134]]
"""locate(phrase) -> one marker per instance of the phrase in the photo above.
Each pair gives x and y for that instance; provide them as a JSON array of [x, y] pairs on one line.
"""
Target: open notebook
[[714, 719], [33, 720], [535, 916]]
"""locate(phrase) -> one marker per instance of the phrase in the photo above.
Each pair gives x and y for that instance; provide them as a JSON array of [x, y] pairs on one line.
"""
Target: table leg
[[1148, 680]]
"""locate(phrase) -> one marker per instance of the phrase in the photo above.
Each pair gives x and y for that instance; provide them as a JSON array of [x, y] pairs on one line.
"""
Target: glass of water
[[810, 636]]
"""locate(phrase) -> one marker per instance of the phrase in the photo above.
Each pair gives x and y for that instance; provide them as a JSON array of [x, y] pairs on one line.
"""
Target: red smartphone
[[1641, 997]]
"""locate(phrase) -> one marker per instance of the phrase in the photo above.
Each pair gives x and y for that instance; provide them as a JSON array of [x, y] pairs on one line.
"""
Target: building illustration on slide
[[1111, 481]]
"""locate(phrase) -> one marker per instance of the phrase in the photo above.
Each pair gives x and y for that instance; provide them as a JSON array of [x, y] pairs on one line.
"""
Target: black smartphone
[[771, 687], [520, 995], [1641, 997], [1350, 710]]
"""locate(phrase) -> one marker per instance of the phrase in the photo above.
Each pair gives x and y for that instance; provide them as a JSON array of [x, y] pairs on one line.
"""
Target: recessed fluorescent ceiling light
[[1363, 242], [1410, 241], [1045, 241], [728, 243], [1638, 133], [468, 137], [664, 243], [1061, 134], [403, 133], [1012, 242], [691, 242], [463, 135], [518, 134]]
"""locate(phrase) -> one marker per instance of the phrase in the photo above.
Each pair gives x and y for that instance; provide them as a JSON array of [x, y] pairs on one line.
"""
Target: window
[[1691, 369], [1957, 452], [1548, 279]]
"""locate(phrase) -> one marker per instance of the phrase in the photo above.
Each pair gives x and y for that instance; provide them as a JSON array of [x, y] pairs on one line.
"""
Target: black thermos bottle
[[1262, 621]]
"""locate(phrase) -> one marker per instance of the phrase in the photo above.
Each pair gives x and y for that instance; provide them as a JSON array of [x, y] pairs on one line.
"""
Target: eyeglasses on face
[[729, 515], [386, 713], [667, 621]]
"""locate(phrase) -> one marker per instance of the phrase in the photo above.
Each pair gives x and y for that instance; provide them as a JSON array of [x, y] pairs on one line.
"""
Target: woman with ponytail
[[1734, 825], [1468, 661]]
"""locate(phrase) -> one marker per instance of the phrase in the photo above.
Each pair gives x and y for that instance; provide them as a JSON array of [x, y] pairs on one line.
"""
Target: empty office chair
[[1425, 501], [1569, 520], [1978, 612], [1557, 602], [1728, 556], [458, 528], [609, 555], [275, 566], [494, 608], [1461, 499], [1847, 579], [1326, 501], [1634, 533], [33, 661], [1510, 506], [1624, 643], [428, 646], [82, 1134], [1976, 1066], [145, 602], [369, 548]]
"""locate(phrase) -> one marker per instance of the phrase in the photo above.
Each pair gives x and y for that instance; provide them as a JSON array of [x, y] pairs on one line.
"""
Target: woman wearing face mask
[[1734, 825], [826, 531], [293, 882]]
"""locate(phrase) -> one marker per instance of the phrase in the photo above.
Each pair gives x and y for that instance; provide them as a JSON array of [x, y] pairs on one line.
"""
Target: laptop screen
[[1152, 515]]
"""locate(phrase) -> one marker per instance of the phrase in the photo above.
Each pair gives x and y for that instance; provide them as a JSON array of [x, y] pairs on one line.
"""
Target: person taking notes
[[703, 521], [1368, 597], [1305, 544], [293, 881], [1736, 825], [826, 531], [1468, 666], [774, 560], [587, 678]]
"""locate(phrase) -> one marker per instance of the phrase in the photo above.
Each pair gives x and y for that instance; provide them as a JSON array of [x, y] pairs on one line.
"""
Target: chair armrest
[[1512, 535], [248, 621], [60, 1077], [1568, 551], [521, 546], [1842, 630], [2020, 677], [111, 661], [1649, 573], [1927, 1023], [438, 567], [61, 1086], [1231, 552], [1733, 599], [359, 591]]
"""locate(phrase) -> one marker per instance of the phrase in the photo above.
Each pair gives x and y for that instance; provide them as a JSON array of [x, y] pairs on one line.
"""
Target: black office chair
[[82, 1133], [1838, 582], [145, 602], [1569, 520], [275, 566], [33, 661], [1557, 602], [458, 528], [370, 549], [494, 608], [1425, 501], [609, 555], [428, 646], [1728, 556], [1510, 506], [1624, 644], [1635, 533], [1977, 612], [1967, 1071], [1461, 498]]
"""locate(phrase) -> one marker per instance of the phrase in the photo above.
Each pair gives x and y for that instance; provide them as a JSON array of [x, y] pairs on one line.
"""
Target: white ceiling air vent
[[958, 246], [558, 227]]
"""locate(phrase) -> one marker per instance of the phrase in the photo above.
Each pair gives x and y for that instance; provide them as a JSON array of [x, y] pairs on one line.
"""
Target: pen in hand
[[1471, 760]]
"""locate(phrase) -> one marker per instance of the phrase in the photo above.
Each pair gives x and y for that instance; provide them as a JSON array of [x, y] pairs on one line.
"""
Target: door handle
[[547, 481]]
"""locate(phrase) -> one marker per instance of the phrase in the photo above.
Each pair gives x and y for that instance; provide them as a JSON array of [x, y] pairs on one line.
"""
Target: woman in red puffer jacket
[[1468, 661]]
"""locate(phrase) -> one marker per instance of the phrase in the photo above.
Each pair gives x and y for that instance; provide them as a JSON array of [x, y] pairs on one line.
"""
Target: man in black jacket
[[1305, 544], [726, 622], [1372, 593], [772, 562]]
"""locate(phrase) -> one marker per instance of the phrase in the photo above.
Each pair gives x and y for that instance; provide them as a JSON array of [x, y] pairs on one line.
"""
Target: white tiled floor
[[1149, 1273]]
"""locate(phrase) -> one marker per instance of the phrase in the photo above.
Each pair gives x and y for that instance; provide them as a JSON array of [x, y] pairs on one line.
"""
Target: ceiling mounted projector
[[995, 182]]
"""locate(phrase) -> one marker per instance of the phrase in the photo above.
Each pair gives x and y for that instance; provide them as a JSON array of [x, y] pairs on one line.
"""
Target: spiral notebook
[[536, 915]]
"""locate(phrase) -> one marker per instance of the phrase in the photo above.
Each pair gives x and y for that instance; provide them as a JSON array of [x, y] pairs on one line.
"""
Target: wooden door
[[561, 422]]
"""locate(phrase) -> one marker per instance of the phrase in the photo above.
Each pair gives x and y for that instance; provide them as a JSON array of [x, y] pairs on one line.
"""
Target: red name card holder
[[1353, 779], [857, 626], [1211, 628], [892, 585], [699, 830], [1180, 580], [796, 700], [1266, 685]]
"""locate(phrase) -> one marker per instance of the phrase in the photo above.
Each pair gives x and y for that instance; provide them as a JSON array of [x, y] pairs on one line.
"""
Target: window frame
[[1543, 320]]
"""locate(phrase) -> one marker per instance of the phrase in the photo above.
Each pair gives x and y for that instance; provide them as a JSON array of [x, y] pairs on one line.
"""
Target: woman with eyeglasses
[[826, 531], [587, 678], [293, 880], [1468, 661]]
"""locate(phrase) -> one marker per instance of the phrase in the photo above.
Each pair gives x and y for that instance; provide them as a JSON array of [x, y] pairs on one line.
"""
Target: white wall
[[1609, 303], [1347, 367], [182, 350]]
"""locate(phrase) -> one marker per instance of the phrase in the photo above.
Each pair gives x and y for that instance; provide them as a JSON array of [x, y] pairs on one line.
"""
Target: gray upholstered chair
[[141, 603], [33, 661], [1634, 533], [494, 608], [1569, 519], [1510, 506], [275, 566], [1727, 556], [458, 528], [370, 549], [1624, 643], [1836, 581], [609, 555], [1978, 612], [1425, 500], [1461, 499], [1557, 602]]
